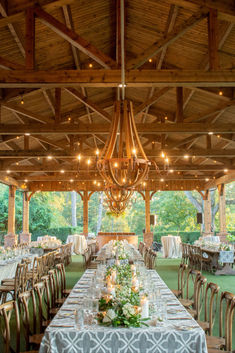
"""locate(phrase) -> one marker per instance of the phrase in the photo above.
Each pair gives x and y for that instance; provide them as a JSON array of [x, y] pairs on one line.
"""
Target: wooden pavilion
[[61, 67]]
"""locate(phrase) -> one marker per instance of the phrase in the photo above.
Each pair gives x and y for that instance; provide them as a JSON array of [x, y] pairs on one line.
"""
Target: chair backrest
[[40, 291], [62, 278], [191, 279], [182, 278], [199, 295], [47, 296], [24, 299], [6, 311], [227, 307], [53, 286], [211, 301], [152, 259], [20, 281]]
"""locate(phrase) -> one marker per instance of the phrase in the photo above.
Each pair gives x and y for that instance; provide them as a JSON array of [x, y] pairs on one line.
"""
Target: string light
[[49, 157], [71, 180], [186, 156], [22, 101], [90, 65], [27, 134], [210, 133], [220, 93], [62, 171], [225, 170], [163, 154], [79, 157], [171, 170], [162, 180], [150, 60], [89, 161], [8, 171]]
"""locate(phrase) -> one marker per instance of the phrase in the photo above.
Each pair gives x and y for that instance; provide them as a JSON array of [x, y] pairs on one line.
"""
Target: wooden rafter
[[170, 38], [75, 39]]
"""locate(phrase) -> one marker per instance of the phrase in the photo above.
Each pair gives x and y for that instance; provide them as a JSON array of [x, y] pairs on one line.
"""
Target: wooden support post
[[57, 104], [179, 105], [26, 142], [85, 213], [148, 236], [11, 238], [25, 236], [30, 39], [222, 211], [208, 142], [207, 214], [213, 40]]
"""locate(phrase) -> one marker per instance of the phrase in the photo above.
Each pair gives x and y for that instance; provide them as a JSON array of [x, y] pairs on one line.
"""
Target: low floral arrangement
[[209, 245], [123, 303]]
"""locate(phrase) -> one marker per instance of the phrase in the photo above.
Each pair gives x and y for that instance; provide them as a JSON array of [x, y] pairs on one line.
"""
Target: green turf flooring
[[168, 270]]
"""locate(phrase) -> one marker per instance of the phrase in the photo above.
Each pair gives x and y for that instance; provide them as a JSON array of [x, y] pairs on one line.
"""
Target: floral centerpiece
[[124, 303]]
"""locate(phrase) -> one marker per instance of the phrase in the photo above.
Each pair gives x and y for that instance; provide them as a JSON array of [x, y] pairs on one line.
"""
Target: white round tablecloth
[[79, 243], [171, 246]]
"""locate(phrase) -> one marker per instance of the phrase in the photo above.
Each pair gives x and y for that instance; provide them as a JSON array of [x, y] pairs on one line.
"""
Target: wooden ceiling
[[61, 59]]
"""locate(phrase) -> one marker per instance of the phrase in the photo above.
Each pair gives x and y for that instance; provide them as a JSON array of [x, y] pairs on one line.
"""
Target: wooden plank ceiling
[[59, 75]]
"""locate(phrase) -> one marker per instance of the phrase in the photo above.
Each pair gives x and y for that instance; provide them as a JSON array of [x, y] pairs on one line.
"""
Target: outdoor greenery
[[51, 213]]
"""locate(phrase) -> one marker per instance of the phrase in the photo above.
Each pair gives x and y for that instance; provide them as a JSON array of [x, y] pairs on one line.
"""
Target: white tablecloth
[[8, 270], [79, 243], [62, 336], [171, 246]]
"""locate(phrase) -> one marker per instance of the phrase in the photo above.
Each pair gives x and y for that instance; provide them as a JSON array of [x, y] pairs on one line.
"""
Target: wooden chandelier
[[123, 161], [117, 207], [118, 194]]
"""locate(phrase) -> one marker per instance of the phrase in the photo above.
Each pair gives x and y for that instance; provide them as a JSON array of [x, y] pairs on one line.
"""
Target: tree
[[74, 208]]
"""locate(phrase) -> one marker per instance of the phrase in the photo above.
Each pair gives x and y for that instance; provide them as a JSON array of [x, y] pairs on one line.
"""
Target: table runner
[[181, 335]]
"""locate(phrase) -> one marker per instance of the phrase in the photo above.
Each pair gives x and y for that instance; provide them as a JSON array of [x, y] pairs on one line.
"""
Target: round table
[[171, 246], [79, 243]]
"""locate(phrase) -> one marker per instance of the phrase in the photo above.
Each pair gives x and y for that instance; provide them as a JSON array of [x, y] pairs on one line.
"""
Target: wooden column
[[207, 214], [147, 212], [85, 213], [11, 238], [148, 236], [25, 236], [222, 210]]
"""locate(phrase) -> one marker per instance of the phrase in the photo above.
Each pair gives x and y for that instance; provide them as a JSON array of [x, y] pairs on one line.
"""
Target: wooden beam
[[67, 153], [30, 39], [165, 41], [75, 39], [112, 78], [179, 105], [84, 129], [50, 100], [89, 104], [213, 39], [73, 168]]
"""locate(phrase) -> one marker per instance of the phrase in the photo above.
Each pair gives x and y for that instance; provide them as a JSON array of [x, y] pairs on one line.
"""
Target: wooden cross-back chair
[[40, 294], [152, 259], [191, 280], [6, 313], [185, 253], [30, 331], [198, 298], [226, 314], [210, 307], [141, 247], [62, 278], [14, 286], [179, 293]]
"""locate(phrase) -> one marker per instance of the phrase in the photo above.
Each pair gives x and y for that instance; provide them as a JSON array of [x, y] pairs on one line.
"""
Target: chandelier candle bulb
[[144, 303]]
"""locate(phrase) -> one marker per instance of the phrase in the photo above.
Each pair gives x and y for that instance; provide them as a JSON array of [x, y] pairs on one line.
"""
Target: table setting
[[122, 307]]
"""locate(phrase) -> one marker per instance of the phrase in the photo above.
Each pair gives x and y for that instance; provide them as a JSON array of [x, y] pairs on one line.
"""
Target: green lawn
[[168, 270]]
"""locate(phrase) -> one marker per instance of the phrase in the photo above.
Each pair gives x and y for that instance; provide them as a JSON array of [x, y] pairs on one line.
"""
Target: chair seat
[[54, 311], [6, 288], [60, 301], [186, 302], [46, 323], [36, 339], [215, 342], [192, 312], [67, 291], [204, 325], [176, 292]]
